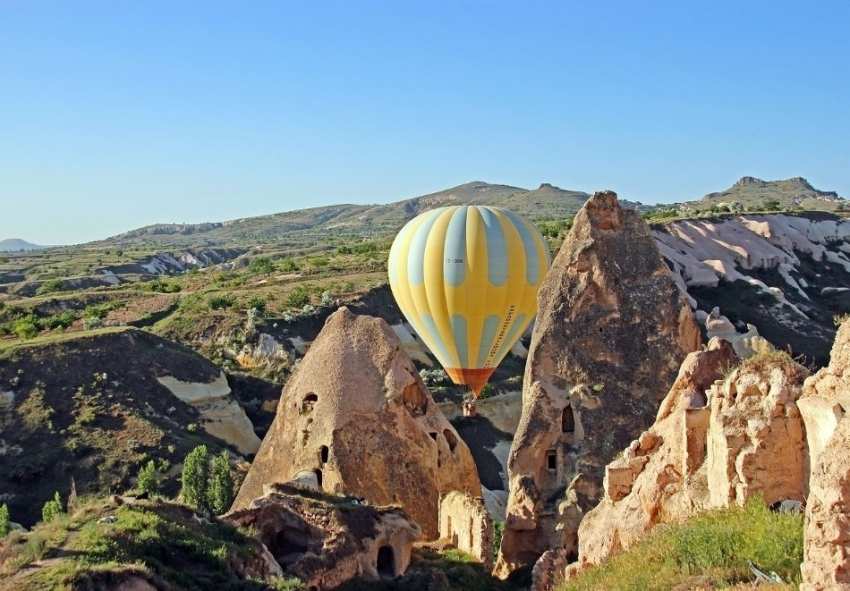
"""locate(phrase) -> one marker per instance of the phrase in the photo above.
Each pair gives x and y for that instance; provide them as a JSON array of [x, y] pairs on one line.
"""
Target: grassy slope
[[710, 551], [102, 541]]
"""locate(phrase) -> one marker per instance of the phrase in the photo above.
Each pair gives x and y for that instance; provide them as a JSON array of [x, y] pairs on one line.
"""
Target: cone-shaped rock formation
[[355, 418], [611, 332]]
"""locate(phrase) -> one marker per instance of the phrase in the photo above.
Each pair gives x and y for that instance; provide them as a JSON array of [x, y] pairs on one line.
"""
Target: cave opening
[[308, 402], [568, 421], [450, 439], [386, 561]]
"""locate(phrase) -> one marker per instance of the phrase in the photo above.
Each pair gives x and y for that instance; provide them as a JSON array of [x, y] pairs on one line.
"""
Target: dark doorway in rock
[[386, 561], [568, 422], [552, 460], [433, 435], [287, 546], [450, 439], [318, 474], [308, 402], [324, 453]]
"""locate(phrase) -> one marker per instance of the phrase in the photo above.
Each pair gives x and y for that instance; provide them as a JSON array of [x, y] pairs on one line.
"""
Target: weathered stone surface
[[756, 437], [824, 404], [357, 415], [826, 395], [222, 415], [467, 525], [720, 437], [611, 333], [325, 540], [649, 483]]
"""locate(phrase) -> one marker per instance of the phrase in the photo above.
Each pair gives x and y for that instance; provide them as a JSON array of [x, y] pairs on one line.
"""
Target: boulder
[[611, 332], [326, 540], [356, 414]]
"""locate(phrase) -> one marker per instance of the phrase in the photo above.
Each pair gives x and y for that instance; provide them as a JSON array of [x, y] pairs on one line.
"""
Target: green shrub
[[298, 297], [4, 520], [26, 328], [52, 508], [261, 265], [158, 285], [62, 320], [194, 478], [258, 303], [220, 490], [498, 532], [288, 265], [99, 311], [220, 301], [49, 286], [148, 480]]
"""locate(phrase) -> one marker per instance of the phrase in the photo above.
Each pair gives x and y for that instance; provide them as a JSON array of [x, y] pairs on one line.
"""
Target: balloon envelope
[[466, 279]]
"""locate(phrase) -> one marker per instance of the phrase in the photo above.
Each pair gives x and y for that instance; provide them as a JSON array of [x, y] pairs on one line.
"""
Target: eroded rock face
[[756, 437], [720, 437], [649, 483], [825, 400], [357, 416], [611, 333], [222, 416], [326, 540], [786, 274]]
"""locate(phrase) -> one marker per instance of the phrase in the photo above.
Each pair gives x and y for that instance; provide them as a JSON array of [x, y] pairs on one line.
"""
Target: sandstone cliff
[[357, 419], [611, 332]]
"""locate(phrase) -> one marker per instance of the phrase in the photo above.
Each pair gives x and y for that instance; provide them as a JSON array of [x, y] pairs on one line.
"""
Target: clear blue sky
[[118, 114]]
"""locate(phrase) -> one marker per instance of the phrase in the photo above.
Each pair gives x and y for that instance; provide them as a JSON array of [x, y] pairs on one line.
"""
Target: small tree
[[52, 508], [4, 520], [148, 481], [194, 478], [220, 493]]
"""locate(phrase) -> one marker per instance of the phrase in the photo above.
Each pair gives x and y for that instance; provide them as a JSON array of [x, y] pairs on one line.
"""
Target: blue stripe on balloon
[[416, 252], [442, 352], [488, 335], [461, 343], [532, 262], [454, 261], [497, 250]]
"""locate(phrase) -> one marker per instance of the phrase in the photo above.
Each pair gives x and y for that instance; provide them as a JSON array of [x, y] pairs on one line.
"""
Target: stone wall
[[466, 523]]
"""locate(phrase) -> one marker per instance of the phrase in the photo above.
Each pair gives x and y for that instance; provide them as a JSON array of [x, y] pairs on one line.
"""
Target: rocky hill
[[16, 244], [95, 408], [749, 192]]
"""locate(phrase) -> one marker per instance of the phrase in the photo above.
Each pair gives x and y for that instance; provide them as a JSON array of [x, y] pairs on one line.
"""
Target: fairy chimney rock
[[356, 414], [611, 332]]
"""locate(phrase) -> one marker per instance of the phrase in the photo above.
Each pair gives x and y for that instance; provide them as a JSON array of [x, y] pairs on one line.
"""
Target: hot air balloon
[[466, 279]]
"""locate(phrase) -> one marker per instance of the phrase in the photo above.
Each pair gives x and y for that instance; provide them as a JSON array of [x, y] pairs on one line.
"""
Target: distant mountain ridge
[[17, 244], [793, 192], [546, 202]]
